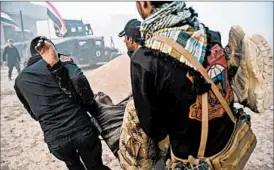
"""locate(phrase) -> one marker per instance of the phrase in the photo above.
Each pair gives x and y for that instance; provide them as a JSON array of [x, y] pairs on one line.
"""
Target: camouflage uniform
[[136, 150]]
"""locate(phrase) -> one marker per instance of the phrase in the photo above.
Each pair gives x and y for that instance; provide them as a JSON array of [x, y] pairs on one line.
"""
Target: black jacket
[[11, 55], [33, 60], [73, 82], [163, 95], [38, 88]]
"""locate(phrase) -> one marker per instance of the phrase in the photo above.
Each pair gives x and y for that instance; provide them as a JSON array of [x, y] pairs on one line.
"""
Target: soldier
[[166, 88], [132, 35], [12, 56]]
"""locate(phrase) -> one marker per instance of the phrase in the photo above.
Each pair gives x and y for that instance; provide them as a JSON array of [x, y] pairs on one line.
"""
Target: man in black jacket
[[67, 128], [132, 35], [12, 56], [166, 87]]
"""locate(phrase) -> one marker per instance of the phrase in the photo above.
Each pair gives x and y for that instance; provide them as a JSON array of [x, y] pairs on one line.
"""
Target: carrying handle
[[202, 70]]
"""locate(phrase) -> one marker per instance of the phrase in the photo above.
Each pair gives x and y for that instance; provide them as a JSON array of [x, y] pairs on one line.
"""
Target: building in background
[[71, 36], [31, 13]]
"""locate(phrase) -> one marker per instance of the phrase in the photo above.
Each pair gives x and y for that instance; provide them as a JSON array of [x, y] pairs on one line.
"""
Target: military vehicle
[[79, 42], [85, 48]]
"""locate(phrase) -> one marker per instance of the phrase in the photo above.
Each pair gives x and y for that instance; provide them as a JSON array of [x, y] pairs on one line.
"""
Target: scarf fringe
[[191, 36]]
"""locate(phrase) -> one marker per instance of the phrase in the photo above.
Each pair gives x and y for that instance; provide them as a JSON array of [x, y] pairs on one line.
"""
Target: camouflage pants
[[136, 150]]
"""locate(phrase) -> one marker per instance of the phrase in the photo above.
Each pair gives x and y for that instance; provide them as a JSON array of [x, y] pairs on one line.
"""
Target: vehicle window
[[80, 29], [83, 44], [98, 43], [73, 29]]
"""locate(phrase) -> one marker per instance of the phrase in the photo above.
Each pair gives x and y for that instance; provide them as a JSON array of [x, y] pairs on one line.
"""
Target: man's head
[[145, 8], [10, 43], [35, 43], [132, 34]]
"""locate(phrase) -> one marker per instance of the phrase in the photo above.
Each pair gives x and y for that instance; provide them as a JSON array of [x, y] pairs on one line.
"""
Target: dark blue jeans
[[11, 66], [85, 145]]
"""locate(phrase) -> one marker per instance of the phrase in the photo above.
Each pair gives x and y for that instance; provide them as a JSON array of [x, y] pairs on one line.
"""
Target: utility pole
[[23, 35], [22, 26]]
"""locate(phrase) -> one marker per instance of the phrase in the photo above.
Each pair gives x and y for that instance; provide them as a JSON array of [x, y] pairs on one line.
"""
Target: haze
[[109, 18]]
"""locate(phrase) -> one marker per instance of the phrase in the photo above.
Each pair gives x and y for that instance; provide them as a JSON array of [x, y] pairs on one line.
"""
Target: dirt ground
[[23, 148]]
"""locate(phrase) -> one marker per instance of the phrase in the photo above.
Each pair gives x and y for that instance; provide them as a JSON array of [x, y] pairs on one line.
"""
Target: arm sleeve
[[145, 98], [78, 79], [24, 102], [80, 83]]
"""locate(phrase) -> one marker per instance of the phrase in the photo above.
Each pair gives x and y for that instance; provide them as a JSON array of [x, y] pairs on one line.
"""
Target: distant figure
[[132, 35], [12, 56]]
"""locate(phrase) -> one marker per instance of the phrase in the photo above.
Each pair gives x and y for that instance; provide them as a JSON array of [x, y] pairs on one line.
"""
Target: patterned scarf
[[179, 23]]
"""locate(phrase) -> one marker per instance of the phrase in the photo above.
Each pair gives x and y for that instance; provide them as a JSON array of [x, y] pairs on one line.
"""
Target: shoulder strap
[[201, 69], [204, 131]]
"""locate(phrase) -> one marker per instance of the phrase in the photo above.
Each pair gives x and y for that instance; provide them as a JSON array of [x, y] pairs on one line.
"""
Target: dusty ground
[[23, 148], [22, 145]]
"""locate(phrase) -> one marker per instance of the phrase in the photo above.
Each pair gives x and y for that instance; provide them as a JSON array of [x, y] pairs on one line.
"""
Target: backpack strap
[[202, 70], [204, 131]]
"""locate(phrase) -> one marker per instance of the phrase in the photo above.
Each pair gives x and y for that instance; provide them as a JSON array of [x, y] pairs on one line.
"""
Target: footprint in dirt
[[7, 92], [5, 167], [11, 117]]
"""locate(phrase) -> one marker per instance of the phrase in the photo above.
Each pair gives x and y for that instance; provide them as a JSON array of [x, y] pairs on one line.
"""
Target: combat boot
[[258, 59], [250, 68]]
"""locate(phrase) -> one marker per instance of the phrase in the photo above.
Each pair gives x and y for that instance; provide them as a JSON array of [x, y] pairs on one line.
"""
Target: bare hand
[[48, 53]]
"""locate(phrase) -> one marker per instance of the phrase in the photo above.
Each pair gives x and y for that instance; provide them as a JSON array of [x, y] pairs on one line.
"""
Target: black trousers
[[85, 145], [11, 66]]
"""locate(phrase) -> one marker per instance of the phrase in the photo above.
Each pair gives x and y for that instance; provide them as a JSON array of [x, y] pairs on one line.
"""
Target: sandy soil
[[22, 144], [23, 148]]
